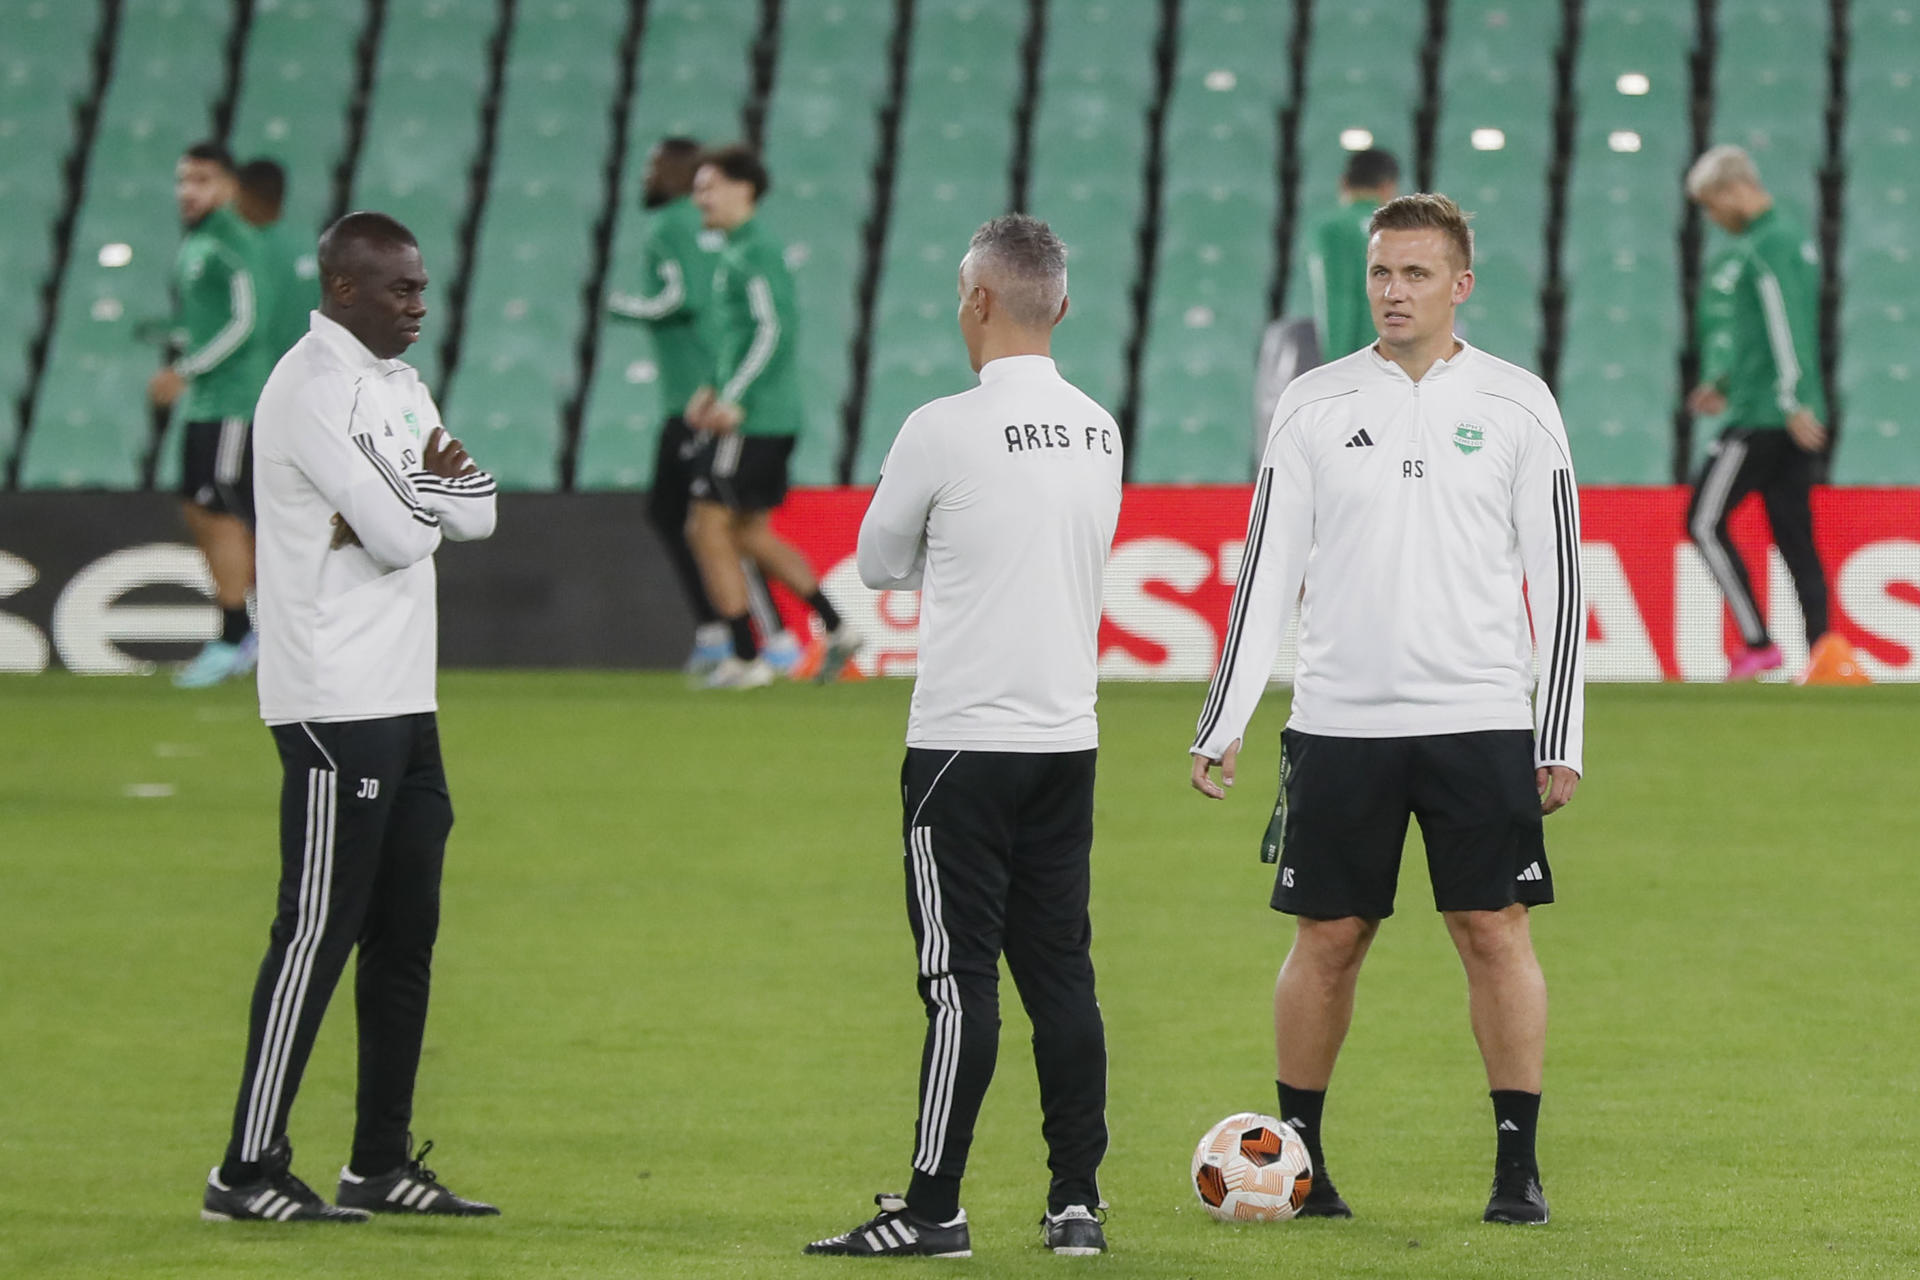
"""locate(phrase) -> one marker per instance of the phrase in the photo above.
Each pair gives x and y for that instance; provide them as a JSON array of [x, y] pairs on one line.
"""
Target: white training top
[[1412, 513], [350, 632], [999, 504]]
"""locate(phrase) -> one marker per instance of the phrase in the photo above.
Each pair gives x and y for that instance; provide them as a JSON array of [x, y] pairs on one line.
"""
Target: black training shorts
[[1342, 821], [743, 473], [216, 471]]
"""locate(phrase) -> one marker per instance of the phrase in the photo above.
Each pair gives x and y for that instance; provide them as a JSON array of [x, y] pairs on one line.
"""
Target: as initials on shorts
[[369, 789], [1286, 877]]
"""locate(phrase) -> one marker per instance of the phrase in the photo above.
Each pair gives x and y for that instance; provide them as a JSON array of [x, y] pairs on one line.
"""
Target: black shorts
[[741, 472], [216, 472], [1342, 821]]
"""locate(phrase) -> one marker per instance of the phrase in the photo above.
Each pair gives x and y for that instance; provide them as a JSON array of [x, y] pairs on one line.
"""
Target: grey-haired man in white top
[[1000, 505]]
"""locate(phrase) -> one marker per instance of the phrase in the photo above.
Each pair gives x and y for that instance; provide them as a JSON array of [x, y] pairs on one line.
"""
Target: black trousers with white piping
[[1764, 458], [364, 818], [997, 861]]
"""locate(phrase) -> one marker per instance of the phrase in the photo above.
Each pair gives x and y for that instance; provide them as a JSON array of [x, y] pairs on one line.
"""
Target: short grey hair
[[1719, 166], [1023, 264]]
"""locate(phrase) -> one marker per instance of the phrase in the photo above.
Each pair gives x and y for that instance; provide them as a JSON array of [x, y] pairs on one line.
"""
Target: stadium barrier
[[106, 583], [1653, 610]]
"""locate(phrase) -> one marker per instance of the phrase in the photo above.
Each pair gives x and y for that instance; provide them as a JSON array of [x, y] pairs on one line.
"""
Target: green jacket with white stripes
[[676, 279], [1759, 323], [218, 320], [754, 327]]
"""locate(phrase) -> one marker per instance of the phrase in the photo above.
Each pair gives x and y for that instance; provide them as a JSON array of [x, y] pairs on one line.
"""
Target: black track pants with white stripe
[[364, 818], [1764, 458], [997, 861]]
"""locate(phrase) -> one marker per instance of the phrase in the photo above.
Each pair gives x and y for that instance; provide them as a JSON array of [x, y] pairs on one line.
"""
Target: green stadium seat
[[296, 91], [1619, 361], [1494, 146], [90, 425], [1619, 405], [1880, 440], [694, 71], [1356, 94], [822, 135], [692, 80], [422, 130], [1236, 45], [1641, 21], [44, 73], [1208, 298], [1196, 421], [617, 453], [955, 153], [1771, 95], [1632, 76], [519, 357], [1096, 84]]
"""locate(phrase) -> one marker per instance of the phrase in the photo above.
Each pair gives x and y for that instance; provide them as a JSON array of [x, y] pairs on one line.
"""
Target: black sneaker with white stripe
[[1074, 1232], [412, 1188], [275, 1196], [897, 1233]]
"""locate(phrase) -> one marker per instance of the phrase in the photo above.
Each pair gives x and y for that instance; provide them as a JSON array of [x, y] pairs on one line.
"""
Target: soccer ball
[[1252, 1168]]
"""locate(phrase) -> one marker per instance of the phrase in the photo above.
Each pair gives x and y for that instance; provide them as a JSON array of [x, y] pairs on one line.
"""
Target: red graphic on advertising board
[[1654, 612]]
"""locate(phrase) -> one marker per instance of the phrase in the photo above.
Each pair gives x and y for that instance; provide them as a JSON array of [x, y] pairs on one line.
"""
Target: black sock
[[1516, 1115], [932, 1198], [1301, 1109], [233, 625], [829, 616], [235, 1174], [374, 1163], [745, 647]]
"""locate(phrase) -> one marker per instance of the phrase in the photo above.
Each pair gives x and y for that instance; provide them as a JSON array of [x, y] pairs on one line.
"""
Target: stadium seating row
[[497, 143]]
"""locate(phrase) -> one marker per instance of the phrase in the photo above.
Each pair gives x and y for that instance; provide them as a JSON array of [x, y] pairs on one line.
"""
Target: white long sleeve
[[1546, 517], [892, 550], [1000, 504], [1413, 522], [1279, 538], [329, 438], [348, 626]]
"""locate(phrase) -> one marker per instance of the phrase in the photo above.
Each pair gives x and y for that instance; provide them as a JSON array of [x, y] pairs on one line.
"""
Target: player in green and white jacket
[[216, 381], [674, 301], [750, 417], [289, 278], [1759, 334]]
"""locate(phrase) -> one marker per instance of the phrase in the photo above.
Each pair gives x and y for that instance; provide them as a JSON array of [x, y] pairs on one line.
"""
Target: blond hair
[[1427, 211], [1719, 166]]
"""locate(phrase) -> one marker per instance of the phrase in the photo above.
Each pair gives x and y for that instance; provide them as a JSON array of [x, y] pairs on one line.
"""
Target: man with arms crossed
[[356, 485], [1412, 488], [1000, 505]]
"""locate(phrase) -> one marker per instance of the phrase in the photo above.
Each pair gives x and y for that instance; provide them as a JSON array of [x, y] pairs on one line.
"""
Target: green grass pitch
[[674, 1028]]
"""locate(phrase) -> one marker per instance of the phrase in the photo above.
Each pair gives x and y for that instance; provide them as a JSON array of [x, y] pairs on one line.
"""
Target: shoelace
[[418, 1167]]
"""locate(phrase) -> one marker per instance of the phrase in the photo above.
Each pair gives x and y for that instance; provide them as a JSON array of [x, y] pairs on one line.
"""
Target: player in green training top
[[1759, 333], [748, 419], [289, 268], [216, 380], [1337, 255], [675, 303]]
